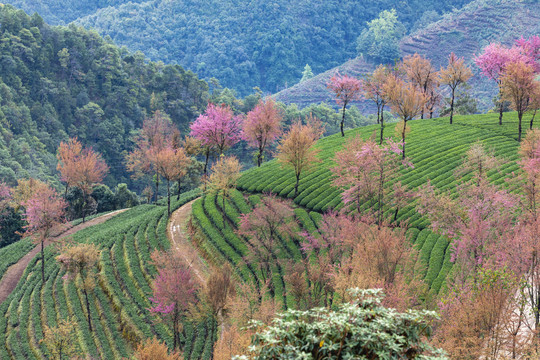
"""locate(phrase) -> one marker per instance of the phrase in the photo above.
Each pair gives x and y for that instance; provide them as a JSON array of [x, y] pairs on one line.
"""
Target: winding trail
[[180, 241], [13, 274]]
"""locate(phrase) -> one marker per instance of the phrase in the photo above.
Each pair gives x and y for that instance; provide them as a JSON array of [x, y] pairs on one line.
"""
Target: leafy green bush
[[320, 332]]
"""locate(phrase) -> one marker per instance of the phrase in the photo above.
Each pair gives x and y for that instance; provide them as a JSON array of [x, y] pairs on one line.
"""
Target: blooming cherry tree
[[262, 127], [174, 290], [346, 89], [45, 211], [218, 129], [363, 168], [493, 61]]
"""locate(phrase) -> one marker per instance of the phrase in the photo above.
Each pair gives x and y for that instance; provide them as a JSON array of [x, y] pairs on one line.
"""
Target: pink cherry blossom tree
[[531, 48], [174, 290], [271, 220], [45, 211], [218, 129], [477, 220], [346, 89], [262, 127], [363, 168], [493, 61]]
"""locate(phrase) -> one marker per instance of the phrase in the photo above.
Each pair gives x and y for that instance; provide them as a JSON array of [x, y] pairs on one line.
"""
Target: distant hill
[[464, 32], [241, 43]]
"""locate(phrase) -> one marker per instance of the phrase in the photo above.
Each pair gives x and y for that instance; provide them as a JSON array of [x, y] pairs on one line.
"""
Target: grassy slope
[[435, 148], [464, 32], [118, 304]]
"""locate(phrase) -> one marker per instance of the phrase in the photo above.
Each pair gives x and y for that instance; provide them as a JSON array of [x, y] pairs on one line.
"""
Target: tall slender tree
[[346, 89], [218, 129], [373, 89], [271, 219], [454, 75], [420, 72], [296, 148], [174, 290], [262, 127], [519, 86], [154, 135], [45, 211], [406, 100], [81, 167], [80, 260], [225, 174], [492, 62], [363, 169], [172, 163]]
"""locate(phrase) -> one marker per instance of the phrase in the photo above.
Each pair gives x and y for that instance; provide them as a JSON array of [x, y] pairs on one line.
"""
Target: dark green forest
[[61, 82], [58, 82], [242, 44]]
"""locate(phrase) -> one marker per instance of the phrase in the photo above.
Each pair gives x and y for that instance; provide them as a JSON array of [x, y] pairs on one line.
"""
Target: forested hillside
[[464, 32], [242, 44], [60, 82]]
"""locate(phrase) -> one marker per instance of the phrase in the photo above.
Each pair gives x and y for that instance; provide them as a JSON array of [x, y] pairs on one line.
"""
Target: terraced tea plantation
[[433, 146], [119, 303]]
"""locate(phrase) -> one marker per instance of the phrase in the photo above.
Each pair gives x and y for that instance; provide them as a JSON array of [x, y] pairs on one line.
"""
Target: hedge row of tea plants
[[118, 304]]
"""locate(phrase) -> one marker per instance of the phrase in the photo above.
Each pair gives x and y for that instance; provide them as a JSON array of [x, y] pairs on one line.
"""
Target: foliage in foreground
[[362, 329]]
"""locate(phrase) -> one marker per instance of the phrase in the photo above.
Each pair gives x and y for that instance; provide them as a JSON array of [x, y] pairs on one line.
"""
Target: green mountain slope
[[464, 32], [241, 43], [60, 82]]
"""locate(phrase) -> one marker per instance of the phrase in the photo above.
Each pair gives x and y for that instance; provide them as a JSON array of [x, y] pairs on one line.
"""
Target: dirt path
[[180, 241], [14, 272]]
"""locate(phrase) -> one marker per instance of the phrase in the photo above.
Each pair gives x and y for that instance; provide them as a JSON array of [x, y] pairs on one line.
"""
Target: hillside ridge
[[464, 32]]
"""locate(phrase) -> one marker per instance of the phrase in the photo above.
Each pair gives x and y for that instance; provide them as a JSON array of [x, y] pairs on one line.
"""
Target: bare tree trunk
[[520, 115], [296, 185], [532, 119], [382, 125], [259, 159], [205, 171], [176, 342], [157, 187], [343, 119], [501, 108], [42, 262], [403, 137], [452, 106], [168, 197], [87, 308], [84, 208]]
